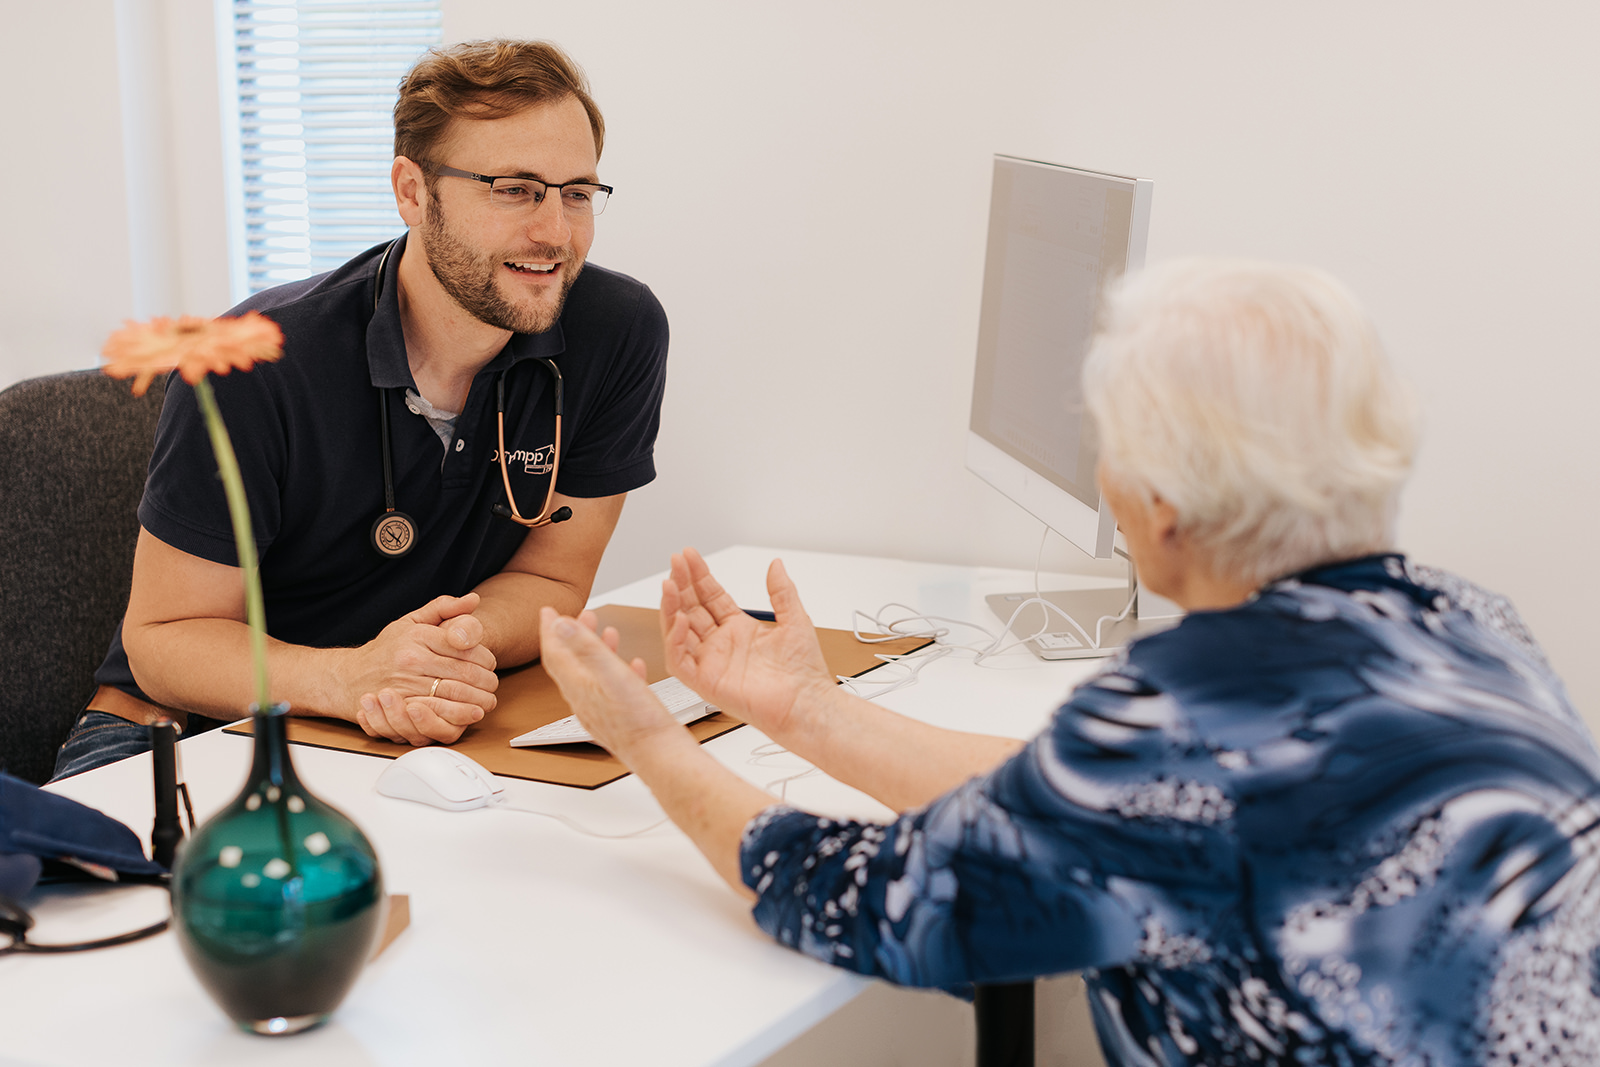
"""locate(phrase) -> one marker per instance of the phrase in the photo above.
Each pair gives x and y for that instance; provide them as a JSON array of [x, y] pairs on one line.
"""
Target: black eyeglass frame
[[490, 179]]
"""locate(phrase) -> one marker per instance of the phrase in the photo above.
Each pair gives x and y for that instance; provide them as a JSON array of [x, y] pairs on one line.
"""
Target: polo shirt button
[[460, 444], [413, 408]]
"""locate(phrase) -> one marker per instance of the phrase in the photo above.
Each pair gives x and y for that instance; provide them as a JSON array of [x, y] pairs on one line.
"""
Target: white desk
[[529, 943]]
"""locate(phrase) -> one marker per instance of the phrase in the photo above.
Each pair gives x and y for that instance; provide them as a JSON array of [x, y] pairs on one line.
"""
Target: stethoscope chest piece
[[393, 534]]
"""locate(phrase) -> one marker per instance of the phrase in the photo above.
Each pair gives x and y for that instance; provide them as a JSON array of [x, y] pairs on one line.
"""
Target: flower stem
[[243, 535]]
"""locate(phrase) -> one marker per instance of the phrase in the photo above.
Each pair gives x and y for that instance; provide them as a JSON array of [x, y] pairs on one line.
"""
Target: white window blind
[[316, 82]]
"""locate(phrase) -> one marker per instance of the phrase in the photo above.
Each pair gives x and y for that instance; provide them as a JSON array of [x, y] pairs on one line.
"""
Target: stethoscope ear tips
[[562, 514]]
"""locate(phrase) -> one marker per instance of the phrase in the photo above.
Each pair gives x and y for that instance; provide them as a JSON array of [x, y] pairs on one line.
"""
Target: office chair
[[74, 449]]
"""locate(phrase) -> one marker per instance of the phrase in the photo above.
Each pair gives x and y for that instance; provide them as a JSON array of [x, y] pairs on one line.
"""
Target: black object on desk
[[40, 828], [1004, 1016], [166, 832]]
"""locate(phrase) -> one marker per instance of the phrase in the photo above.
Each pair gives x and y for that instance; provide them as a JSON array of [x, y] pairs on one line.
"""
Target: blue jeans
[[99, 738]]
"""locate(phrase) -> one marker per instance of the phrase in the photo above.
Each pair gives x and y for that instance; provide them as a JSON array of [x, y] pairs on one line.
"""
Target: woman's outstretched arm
[[773, 677]]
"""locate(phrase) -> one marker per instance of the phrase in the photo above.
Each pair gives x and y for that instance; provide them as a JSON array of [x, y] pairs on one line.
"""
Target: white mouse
[[442, 777]]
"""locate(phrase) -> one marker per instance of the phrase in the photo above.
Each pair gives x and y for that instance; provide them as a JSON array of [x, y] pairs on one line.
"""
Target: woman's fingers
[[681, 597], [783, 594], [708, 591]]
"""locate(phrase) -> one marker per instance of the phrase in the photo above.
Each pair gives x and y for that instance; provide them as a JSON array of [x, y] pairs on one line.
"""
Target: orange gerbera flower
[[191, 345]]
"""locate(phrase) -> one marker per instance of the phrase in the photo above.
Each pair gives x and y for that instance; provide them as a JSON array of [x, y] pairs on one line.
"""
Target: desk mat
[[528, 699]]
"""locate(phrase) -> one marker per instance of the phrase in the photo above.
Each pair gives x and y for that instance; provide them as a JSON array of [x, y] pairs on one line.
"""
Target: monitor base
[[1086, 607]]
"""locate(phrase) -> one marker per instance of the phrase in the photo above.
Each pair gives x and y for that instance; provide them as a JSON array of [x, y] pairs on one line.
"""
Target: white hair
[[1256, 400]]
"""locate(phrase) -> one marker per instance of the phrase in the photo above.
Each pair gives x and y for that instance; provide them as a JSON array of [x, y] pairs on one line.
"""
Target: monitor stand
[[1087, 607]]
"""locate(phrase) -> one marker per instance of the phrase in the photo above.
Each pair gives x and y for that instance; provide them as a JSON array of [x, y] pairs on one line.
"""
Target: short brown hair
[[484, 80]]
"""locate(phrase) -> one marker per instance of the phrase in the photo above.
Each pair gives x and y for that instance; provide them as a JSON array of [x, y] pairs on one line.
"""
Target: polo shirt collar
[[386, 345]]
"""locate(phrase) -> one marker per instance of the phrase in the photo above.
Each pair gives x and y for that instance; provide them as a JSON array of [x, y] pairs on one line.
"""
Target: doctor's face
[[511, 267]]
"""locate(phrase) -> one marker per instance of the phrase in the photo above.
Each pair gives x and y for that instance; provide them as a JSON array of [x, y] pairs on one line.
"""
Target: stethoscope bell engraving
[[393, 534]]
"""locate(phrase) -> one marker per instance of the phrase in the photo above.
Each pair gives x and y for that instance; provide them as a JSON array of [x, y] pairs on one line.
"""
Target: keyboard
[[681, 702]]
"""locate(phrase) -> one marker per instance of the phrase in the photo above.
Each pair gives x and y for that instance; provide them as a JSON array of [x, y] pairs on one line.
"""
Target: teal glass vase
[[277, 900]]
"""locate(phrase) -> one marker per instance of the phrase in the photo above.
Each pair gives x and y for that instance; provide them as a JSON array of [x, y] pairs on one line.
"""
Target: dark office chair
[[74, 449]]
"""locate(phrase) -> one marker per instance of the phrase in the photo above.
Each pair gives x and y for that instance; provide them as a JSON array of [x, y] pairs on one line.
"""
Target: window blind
[[316, 85]]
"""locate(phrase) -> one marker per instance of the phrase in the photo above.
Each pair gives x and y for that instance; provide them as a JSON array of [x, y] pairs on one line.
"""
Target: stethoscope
[[394, 533]]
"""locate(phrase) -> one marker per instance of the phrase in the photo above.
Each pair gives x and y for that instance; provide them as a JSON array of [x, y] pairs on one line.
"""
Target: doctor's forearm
[[510, 613], [204, 666]]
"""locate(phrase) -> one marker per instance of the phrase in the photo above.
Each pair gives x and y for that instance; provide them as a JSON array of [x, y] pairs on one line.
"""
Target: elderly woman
[[1341, 814]]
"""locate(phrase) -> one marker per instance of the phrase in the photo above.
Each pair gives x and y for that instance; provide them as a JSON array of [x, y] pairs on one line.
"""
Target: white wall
[[113, 176], [64, 277], [1440, 157], [806, 187]]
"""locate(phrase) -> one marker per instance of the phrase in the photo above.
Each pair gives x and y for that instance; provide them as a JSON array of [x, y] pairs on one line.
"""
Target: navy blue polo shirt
[[307, 434]]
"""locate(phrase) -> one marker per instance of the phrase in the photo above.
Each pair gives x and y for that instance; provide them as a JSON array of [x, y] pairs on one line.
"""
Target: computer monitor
[[1057, 236]]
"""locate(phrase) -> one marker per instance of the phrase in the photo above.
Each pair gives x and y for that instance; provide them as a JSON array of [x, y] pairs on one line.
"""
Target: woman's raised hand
[[609, 696], [766, 674]]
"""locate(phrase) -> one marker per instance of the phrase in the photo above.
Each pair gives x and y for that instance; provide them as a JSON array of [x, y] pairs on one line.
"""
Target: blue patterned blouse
[[1351, 821]]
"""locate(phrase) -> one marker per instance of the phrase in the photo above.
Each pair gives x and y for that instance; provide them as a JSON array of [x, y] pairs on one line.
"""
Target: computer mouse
[[441, 777]]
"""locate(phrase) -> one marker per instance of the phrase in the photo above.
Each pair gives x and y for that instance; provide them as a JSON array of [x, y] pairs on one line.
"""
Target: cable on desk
[[575, 824], [915, 624], [761, 753], [911, 663]]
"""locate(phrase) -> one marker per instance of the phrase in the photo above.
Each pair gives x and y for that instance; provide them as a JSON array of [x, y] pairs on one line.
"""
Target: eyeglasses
[[578, 199]]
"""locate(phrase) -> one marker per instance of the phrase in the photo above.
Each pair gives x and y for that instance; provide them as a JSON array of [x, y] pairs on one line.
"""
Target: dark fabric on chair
[[74, 449]]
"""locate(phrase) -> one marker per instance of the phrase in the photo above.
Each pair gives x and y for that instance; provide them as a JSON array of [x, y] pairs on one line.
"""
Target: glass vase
[[277, 899]]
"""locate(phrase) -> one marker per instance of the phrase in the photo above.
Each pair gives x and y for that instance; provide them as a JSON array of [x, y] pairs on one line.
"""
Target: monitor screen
[[1057, 236]]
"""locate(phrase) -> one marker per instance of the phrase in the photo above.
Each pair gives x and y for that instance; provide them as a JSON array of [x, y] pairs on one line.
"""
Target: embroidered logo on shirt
[[536, 462]]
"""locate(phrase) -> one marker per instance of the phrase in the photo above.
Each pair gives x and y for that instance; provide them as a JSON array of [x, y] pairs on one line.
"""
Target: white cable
[[891, 631], [783, 783], [1000, 646], [913, 624], [899, 626], [761, 753], [1121, 615], [911, 663], [573, 823]]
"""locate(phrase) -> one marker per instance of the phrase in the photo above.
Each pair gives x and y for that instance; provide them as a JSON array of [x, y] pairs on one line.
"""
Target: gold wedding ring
[[435, 690]]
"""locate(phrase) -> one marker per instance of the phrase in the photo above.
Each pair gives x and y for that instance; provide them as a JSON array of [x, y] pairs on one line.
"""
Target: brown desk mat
[[395, 923], [528, 699]]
